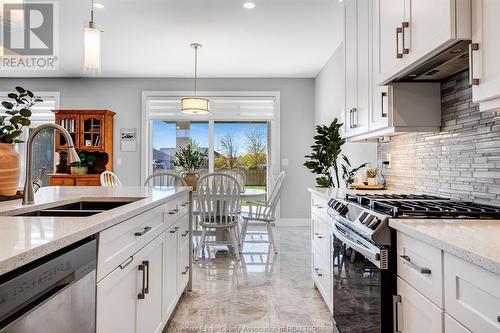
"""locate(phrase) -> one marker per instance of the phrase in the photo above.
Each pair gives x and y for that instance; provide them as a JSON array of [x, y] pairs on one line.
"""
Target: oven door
[[362, 291]]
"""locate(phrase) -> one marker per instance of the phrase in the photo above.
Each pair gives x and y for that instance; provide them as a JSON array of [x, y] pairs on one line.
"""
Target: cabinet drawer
[[415, 313], [421, 265], [453, 326], [472, 295], [322, 277], [320, 236], [55, 181], [319, 207], [176, 209], [87, 182], [121, 241]]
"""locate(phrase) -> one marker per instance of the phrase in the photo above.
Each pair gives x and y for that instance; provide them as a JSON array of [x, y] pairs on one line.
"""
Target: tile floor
[[265, 293]]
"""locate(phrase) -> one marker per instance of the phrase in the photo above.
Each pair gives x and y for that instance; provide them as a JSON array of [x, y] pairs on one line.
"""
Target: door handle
[[186, 269], [146, 289], [175, 230], [421, 270], [395, 300], [142, 294], [472, 47], [383, 114], [398, 31], [143, 232], [404, 25]]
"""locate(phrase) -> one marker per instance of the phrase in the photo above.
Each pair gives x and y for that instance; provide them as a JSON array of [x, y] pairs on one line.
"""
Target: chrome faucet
[[28, 195]]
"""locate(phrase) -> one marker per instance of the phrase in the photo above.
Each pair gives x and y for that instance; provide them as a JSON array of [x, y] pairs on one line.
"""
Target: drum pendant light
[[194, 104]]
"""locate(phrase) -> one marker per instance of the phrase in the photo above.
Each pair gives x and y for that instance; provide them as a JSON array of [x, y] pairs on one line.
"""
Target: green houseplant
[[190, 159], [18, 112], [82, 167], [325, 156]]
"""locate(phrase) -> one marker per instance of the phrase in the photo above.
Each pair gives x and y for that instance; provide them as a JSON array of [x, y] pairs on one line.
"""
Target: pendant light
[[92, 46], [195, 105]]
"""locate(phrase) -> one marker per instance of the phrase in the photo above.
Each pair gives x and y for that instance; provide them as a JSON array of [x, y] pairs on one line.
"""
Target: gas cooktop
[[423, 206]]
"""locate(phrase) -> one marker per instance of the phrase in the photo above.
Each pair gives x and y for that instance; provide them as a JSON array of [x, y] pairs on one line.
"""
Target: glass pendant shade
[[92, 47], [195, 105]]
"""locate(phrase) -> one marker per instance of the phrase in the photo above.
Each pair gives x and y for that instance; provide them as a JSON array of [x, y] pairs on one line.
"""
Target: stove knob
[[374, 224]]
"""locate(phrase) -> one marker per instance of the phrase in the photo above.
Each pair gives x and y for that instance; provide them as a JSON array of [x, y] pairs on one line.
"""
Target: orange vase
[[191, 179], [9, 170]]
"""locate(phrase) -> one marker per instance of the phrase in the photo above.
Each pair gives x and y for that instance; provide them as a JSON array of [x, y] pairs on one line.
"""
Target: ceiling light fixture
[[92, 46], [249, 5], [195, 105], [98, 5]]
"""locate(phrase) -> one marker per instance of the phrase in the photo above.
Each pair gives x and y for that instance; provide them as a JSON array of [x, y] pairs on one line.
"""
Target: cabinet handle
[[173, 211], [350, 118], [317, 272], [143, 232], [146, 289], [404, 25], [383, 114], [185, 233], [395, 300], [421, 270], [398, 31], [472, 47], [126, 262], [318, 235], [175, 230], [354, 117], [184, 204], [186, 269], [141, 295]]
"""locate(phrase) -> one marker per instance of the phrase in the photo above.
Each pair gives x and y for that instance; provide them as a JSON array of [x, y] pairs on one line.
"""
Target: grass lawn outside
[[256, 187]]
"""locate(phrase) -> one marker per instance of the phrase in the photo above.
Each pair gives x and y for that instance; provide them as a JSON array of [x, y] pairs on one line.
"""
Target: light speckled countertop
[[476, 241], [26, 238]]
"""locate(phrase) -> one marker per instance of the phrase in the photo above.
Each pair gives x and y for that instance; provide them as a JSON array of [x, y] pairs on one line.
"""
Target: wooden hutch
[[92, 133]]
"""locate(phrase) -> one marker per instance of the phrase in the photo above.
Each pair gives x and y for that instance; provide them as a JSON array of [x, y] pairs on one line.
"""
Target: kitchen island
[[143, 239]]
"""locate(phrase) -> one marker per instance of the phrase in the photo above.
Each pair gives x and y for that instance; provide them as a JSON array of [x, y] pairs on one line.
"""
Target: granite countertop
[[26, 238], [476, 241]]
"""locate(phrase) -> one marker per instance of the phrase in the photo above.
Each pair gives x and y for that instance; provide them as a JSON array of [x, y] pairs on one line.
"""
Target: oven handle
[[358, 248]]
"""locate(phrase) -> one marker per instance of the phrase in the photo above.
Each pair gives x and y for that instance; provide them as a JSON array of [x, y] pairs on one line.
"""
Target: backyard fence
[[256, 177]]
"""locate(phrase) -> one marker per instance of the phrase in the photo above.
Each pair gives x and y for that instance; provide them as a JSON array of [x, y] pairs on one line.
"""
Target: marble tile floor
[[263, 293]]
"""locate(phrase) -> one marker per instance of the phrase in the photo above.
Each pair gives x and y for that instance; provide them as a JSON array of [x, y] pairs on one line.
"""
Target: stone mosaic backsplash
[[462, 161]]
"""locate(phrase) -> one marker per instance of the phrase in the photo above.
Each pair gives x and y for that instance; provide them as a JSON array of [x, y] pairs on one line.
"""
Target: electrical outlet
[[388, 158]]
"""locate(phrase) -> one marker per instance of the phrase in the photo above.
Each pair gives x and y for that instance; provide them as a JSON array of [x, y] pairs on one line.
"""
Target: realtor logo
[[29, 36]]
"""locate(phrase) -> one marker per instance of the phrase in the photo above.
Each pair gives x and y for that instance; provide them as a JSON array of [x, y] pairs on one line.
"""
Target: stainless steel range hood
[[445, 64]]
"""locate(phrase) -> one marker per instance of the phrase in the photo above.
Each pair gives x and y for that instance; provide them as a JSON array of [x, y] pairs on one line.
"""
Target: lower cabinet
[[140, 294], [453, 326], [129, 299], [415, 313]]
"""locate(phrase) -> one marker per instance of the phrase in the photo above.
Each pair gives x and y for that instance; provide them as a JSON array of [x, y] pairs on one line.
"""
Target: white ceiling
[[150, 38]]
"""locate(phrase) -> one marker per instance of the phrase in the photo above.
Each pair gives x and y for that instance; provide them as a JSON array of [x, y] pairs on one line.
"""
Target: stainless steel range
[[364, 263]]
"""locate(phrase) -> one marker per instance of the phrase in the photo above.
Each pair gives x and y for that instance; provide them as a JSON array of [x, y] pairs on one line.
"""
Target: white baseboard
[[294, 222]]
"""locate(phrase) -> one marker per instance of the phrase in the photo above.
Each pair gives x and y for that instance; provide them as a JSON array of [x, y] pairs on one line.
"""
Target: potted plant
[[325, 156], [18, 113], [190, 159], [82, 167], [371, 175]]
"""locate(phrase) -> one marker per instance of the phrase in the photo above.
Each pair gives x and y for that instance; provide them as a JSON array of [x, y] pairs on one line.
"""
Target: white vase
[[372, 181]]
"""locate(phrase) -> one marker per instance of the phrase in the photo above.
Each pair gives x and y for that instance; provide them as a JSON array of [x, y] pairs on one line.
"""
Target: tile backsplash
[[462, 161]]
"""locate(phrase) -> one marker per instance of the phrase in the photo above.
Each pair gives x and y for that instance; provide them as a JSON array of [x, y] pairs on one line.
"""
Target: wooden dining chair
[[109, 179], [164, 179], [218, 205], [263, 212]]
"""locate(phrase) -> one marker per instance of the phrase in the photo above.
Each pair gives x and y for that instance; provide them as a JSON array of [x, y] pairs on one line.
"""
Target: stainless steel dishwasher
[[55, 294]]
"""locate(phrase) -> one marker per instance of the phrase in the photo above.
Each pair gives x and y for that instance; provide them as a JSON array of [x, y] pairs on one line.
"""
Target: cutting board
[[369, 187]]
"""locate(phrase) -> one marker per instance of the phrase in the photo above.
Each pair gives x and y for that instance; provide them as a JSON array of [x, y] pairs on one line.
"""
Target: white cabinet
[[357, 66], [412, 31], [485, 68], [472, 295], [415, 313], [142, 290], [453, 326], [129, 299]]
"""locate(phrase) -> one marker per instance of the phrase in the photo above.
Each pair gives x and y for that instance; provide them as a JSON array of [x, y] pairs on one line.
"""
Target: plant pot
[[372, 181], [9, 170], [79, 170], [191, 179]]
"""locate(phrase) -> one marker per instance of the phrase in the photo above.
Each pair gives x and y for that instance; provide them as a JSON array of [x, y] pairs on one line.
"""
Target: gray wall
[[123, 95], [329, 101], [462, 161]]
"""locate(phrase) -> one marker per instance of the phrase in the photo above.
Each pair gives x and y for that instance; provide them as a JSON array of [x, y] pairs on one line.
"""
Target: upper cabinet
[[412, 31], [484, 54], [357, 66]]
